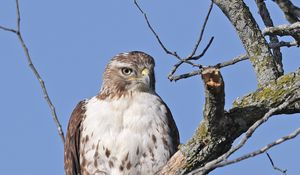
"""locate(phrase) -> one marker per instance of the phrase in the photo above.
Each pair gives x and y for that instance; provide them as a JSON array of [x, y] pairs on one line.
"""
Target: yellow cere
[[145, 71]]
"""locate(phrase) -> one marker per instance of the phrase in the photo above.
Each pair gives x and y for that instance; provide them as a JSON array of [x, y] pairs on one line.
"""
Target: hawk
[[126, 129]]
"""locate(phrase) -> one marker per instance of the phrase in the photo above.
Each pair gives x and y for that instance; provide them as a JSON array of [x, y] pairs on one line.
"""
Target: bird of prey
[[126, 129]]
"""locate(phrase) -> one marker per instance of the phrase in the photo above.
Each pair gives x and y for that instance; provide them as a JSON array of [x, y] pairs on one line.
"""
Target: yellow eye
[[126, 71]]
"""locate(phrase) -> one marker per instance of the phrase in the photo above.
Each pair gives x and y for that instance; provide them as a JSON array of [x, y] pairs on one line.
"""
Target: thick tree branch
[[208, 144], [222, 160], [265, 15], [35, 72], [291, 12], [254, 42]]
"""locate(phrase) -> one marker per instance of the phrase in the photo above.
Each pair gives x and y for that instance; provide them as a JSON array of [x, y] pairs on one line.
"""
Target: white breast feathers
[[129, 135]]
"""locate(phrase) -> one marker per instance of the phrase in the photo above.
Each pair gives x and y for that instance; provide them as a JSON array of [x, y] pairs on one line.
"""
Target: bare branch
[[265, 15], [186, 75], [283, 30], [291, 12], [223, 64], [233, 61], [219, 65], [222, 160], [8, 29], [257, 152], [275, 167], [186, 60], [35, 72], [191, 56], [154, 33], [201, 35], [203, 52], [254, 42], [284, 44]]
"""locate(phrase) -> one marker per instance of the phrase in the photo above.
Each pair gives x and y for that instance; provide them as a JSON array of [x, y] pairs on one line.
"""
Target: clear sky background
[[71, 42]]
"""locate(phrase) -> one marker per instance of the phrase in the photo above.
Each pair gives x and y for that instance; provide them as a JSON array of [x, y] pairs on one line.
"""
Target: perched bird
[[126, 129]]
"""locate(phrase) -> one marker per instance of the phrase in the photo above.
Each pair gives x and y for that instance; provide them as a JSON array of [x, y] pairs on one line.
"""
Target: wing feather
[[173, 128], [71, 155]]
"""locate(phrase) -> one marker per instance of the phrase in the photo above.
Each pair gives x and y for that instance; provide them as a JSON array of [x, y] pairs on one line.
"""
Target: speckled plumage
[[126, 129]]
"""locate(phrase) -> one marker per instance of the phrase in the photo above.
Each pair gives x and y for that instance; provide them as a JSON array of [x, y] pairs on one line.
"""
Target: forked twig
[[174, 53], [275, 167], [201, 35], [154, 33]]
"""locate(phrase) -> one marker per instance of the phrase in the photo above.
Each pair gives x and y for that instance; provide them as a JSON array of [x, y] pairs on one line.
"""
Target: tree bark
[[218, 130], [254, 42]]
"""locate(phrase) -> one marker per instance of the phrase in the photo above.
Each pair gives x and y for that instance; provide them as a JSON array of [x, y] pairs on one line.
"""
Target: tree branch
[[222, 160], [8, 29], [192, 55], [284, 44], [35, 72], [254, 153], [283, 30], [265, 15], [155, 34], [206, 146], [254, 42], [275, 167], [291, 12]]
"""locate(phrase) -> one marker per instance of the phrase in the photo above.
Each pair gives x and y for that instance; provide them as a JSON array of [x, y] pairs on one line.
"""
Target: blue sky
[[70, 43]]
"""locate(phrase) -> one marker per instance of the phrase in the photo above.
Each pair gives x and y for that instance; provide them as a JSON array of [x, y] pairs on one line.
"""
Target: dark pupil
[[126, 71]]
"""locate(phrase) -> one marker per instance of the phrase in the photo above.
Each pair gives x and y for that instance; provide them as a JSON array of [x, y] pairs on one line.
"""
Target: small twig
[[275, 167], [186, 75], [154, 33], [219, 65], [173, 53], [8, 29], [233, 61], [201, 34], [34, 70], [222, 160], [176, 66], [203, 52]]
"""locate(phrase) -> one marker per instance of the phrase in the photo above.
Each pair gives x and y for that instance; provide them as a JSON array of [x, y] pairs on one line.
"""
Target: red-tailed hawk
[[124, 130]]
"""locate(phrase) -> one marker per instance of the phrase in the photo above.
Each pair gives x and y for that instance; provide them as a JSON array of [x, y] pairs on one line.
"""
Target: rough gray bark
[[210, 141], [265, 15], [254, 42], [291, 12], [283, 30]]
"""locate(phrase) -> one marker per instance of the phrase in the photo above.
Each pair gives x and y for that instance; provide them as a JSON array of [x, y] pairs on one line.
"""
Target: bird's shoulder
[[71, 157]]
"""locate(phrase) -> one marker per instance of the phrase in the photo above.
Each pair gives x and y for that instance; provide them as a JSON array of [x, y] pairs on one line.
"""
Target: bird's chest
[[127, 136]]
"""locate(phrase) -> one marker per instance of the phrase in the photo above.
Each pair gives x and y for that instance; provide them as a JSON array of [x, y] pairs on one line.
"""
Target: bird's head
[[127, 73]]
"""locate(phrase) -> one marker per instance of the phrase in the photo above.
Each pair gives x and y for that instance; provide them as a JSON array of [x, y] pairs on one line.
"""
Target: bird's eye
[[126, 71]]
